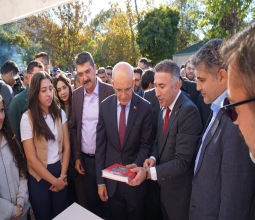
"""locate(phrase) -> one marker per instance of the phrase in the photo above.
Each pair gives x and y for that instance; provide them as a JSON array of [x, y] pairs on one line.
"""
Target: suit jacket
[[150, 95], [105, 90], [137, 140], [190, 88], [175, 152], [224, 181]]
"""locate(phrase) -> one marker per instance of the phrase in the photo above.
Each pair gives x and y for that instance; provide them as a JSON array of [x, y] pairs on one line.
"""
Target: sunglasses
[[229, 109]]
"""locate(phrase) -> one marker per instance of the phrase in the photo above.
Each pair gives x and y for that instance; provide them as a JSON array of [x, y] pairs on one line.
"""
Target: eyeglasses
[[121, 91], [86, 72], [229, 109]]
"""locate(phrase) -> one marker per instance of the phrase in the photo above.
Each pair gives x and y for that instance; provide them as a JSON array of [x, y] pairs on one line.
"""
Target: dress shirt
[[119, 110], [153, 169], [216, 105], [89, 121]]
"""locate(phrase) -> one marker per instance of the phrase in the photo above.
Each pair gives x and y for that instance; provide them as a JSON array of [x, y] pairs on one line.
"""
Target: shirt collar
[[118, 103], [173, 103], [96, 89], [216, 105]]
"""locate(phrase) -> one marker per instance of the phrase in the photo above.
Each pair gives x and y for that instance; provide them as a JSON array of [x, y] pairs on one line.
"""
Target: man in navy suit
[[179, 129], [123, 136], [224, 181]]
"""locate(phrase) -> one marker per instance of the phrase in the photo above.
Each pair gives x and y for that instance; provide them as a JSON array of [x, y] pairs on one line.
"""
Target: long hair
[[13, 143], [40, 127], [61, 77]]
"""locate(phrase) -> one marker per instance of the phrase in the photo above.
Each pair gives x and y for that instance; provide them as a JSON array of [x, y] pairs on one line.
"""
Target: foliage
[[113, 37], [59, 30], [223, 18], [13, 45], [187, 25], [157, 33]]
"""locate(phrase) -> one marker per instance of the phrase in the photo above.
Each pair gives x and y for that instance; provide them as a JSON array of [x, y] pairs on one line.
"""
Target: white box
[[76, 212]]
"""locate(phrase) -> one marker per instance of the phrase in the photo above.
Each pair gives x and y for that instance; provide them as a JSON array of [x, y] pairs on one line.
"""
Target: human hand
[[139, 178], [78, 167], [102, 192], [59, 184], [131, 166], [20, 212], [149, 163]]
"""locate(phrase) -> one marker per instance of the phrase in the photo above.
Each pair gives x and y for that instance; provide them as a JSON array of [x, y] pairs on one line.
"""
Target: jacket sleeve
[[22, 196], [7, 210]]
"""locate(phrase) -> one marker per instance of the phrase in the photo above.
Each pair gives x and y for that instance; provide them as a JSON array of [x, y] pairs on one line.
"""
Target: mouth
[[87, 81]]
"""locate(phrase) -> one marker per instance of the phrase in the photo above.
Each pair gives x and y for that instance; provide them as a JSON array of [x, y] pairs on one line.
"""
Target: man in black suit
[[224, 182], [85, 107], [179, 129], [123, 136]]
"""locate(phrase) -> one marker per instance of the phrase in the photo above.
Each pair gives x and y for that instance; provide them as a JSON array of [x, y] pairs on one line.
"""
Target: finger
[[136, 169]]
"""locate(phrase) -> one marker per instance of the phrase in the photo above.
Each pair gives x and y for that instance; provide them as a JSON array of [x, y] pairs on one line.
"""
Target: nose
[[198, 86], [157, 92], [2, 115]]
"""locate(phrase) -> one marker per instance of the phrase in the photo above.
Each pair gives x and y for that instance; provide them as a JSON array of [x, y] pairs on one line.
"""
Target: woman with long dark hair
[[45, 139], [13, 173]]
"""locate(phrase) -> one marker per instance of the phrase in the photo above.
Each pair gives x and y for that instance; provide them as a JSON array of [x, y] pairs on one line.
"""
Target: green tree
[[187, 25], [223, 18], [60, 31], [157, 33]]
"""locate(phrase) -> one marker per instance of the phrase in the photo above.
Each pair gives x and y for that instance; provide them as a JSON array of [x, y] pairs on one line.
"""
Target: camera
[[17, 87]]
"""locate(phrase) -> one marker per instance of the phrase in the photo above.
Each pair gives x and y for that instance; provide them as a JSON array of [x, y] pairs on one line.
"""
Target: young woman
[[13, 173], [45, 139], [64, 93]]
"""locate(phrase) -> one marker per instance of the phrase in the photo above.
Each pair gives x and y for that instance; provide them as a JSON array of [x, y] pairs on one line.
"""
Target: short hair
[[239, 52], [82, 58], [209, 55], [101, 70], [138, 70], [109, 67], [145, 61], [32, 65], [169, 66], [9, 66], [44, 56], [147, 78]]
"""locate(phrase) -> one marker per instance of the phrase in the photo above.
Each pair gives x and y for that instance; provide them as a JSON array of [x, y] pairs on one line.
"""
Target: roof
[[192, 49]]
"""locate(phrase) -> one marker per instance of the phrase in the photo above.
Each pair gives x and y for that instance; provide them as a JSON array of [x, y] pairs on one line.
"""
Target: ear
[[222, 76], [95, 67]]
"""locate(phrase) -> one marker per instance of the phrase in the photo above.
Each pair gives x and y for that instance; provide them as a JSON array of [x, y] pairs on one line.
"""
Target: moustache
[[86, 81]]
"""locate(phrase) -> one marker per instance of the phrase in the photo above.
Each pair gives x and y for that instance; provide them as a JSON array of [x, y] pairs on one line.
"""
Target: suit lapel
[[80, 101], [208, 138], [173, 115], [102, 93], [134, 107]]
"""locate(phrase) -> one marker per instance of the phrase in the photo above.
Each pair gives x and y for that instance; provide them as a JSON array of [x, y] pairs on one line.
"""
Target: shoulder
[[106, 86], [78, 91], [24, 118], [150, 92], [109, 100], [143, 102]]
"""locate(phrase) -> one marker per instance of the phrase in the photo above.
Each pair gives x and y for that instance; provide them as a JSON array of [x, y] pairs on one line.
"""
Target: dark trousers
[[125, 206], [94, 202], [47, 204]]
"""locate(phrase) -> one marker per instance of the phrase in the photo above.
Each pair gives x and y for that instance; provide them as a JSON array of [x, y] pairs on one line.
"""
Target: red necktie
[[122, 125], [166, 119]]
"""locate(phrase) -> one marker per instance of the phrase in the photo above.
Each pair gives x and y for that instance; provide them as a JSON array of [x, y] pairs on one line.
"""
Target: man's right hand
[[79, 167], [102, 192], [149, 163]]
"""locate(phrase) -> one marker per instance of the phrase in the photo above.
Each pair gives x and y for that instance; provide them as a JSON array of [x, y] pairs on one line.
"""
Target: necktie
[[166, 119], [122, 125]]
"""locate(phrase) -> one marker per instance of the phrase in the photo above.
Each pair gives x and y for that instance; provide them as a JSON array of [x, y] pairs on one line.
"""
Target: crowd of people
[[186, 132]]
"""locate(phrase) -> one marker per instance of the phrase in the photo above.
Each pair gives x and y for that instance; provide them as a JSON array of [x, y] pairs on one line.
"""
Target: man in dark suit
[[123, 136], [85, 107], [224, 180], [175, 144]]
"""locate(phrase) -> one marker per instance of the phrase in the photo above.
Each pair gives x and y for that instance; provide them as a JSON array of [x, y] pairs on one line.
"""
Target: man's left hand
[[131, 166]]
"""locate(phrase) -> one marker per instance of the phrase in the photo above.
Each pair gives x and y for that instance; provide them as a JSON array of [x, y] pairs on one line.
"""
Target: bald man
[[124, 137]]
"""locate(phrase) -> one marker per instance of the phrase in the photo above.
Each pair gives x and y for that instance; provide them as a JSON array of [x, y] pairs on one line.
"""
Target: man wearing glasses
[[238, 54], [224, 181], [123, 137], [108, 71], [85, 107]]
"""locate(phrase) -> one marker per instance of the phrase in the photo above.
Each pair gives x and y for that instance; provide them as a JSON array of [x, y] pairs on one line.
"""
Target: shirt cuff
[[153, 158], [153, 173]]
